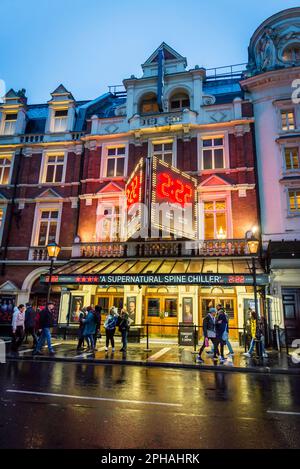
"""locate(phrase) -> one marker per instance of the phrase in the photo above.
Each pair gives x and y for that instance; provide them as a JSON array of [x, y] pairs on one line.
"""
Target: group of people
[[89, 327], [35, 322], [216, 330]]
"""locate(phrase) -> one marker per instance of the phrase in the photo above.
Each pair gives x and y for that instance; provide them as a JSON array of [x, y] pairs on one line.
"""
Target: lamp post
[[53, 250], [253, 244]]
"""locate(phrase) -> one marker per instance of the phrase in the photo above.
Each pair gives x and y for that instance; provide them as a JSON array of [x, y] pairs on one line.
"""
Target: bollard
[[147, 349], [286, 341], [195, 338], [245, 341]]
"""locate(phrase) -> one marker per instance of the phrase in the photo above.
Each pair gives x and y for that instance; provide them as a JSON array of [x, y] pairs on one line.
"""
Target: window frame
[[5, 114], [55, 119], [44, 207], [291, 213], [3, 208], [215, 197], [287, 111], [44, 166], [225, 146], [286, 147], [164, 140], [104, 160], [10, 156]]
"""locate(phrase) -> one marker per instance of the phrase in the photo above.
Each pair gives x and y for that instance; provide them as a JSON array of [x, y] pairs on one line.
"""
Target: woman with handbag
[[209, 333]]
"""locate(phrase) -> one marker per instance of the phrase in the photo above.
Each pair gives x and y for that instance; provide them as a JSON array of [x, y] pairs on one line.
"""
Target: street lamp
[[253, 243], [53, 250]]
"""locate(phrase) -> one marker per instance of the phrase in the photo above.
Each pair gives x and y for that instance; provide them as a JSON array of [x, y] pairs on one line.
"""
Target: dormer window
[[291, 53], [60, 120], [149, 104], [10, 124], [179, 101]]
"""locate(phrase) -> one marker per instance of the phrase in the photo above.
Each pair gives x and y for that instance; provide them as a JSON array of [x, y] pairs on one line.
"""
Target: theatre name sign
[[157, 279]]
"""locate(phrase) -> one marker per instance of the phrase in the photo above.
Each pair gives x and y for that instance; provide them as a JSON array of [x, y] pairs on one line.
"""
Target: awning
[[158, 272]]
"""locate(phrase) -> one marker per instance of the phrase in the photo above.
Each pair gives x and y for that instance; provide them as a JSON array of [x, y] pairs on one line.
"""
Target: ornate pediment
[[214, 181], [49, 194], [111, 187]]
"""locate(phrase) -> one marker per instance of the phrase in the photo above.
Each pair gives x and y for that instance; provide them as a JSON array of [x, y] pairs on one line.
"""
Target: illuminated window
[[2, 215], [149, 105], [108, 226], [292, 160], [294, 201], [10, 124], [47, 226], [164, 151], [179, 101], [171, 307], [287, 120], [5, 167], [54, 168], [214, 219], [213, 153], [115, 162], [60, 120], [291, 53]]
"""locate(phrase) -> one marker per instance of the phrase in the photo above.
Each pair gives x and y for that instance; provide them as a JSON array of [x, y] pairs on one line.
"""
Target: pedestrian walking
[[221, 332], [45, 323], [30, 323], [97, 313], [209, 333], [257, 335], [225, 337], [18, 327], [89, 328], [82, 316], [124, 328], [110, 328]]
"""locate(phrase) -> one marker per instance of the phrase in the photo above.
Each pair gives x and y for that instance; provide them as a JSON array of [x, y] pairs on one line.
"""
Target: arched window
[[148, 104], [291, 53], [179, 101]]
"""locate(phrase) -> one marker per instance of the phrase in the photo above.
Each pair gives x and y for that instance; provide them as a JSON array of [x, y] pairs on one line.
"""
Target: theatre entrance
[[109, 299], [161, 311], [228, 302]]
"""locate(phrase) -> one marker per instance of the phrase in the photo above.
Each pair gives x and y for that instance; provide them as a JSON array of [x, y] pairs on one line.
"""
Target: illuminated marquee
[[174, 198], [134, 197]]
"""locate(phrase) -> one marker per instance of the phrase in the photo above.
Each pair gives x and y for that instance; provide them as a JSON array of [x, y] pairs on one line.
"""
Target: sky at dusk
[[90, 44]]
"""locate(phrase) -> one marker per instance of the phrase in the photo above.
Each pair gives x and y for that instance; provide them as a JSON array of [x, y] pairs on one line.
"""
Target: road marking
[[32, 349], [159, 354], [87, 354], [282, 412], [90, 398]]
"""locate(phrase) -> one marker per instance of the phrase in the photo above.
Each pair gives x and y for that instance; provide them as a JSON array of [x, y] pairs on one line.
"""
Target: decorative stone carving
[[218, 116], [208, 100], [111, 129]]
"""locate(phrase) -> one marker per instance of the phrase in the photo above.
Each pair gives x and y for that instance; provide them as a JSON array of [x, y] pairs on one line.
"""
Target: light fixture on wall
[[221, 233]]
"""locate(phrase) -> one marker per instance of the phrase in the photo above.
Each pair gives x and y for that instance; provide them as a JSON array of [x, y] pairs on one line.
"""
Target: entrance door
[[161, 314], [291, 311], [229, 304], [108, 301]]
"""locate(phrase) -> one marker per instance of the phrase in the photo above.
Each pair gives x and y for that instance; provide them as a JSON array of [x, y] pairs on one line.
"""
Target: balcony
[[161, 248], [40, 254]]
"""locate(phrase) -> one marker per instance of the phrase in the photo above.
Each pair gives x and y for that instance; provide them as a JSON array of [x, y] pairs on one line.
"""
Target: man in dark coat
[[30, 323], [46, 322]]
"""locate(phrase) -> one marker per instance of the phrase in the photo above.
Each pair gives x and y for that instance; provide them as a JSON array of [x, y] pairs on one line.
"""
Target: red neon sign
[[133, 191], [174, 189]]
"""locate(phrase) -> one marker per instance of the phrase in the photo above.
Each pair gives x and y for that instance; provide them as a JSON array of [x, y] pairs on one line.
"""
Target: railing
[[227, 71], [38, 254], [117, 90], [165, 118], [32, 138], [159, 248]]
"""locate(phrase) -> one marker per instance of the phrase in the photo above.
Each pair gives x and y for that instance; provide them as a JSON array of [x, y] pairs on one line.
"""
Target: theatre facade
[[150, 190]]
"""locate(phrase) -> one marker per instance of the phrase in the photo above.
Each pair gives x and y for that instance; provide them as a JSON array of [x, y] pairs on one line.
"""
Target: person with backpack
[[209, 333], [110, 328], [18, 327], [30, 323], [124, 328], [89, 328]]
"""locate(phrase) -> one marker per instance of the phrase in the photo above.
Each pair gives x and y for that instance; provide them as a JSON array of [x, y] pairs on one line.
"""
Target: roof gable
[[169, 54], [214, 180], [109, 188], [49, 194]]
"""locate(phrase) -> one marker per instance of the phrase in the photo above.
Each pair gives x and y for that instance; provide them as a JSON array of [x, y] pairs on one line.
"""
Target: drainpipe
[[79, 189], [12, 212]]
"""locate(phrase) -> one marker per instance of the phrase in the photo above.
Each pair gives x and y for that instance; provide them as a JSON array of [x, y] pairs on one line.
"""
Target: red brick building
[[64, 167]]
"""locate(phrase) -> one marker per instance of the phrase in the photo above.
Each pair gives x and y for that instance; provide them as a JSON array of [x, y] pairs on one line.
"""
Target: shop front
[[159, 292]]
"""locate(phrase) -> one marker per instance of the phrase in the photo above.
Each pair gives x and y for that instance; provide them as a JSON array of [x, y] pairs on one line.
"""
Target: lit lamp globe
[[221, 234], [53, 250], [253, 244]]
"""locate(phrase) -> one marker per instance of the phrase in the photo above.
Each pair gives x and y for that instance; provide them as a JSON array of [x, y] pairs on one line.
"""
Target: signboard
[[186, 335], [134, 191], [7, 304], [173, 202], [157, 279]]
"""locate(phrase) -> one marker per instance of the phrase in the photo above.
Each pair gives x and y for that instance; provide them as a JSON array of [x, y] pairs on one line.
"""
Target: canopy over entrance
[[158, 272]]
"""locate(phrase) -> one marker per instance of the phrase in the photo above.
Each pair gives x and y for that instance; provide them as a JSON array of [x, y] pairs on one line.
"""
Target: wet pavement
[[163, 353], [81, 405]]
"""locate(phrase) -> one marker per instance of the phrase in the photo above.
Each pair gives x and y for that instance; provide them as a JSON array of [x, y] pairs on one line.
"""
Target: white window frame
[[43, 207], [4, 121], [110, 201], [44, 165], [284, 148], [214, 197], [56, 119], [159, 141], [105, 157], [211, 135], [296, 213], [181, 99], [287, 111], [11, 157], [3, 208]]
